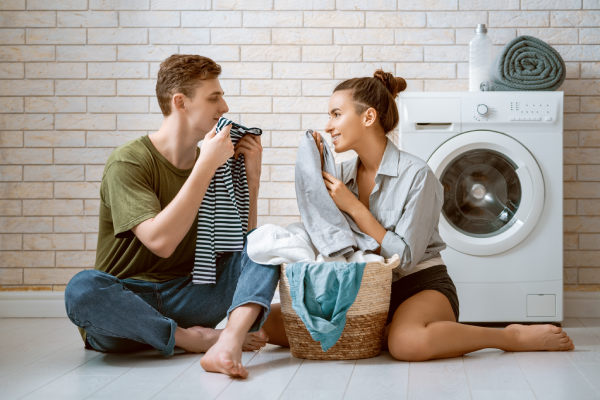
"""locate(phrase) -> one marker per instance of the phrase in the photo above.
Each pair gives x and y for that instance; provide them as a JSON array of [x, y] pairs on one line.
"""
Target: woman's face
[[346, 127]]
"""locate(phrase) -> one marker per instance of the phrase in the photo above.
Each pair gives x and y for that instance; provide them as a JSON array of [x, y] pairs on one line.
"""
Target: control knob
[[482, 110]]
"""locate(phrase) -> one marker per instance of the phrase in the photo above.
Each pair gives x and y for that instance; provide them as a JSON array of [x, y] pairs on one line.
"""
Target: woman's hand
[[343, 198], [319, 142]]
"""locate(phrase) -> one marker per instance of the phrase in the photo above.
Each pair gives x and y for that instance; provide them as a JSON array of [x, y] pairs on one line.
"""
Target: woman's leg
[[424, 328], [274, 327]]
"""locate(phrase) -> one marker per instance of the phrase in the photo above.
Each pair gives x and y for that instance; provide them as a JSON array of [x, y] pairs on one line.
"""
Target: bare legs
[[225, 356], [424, 328], [274, 327]]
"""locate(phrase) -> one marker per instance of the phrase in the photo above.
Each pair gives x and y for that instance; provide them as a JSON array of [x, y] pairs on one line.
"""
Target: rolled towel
[[526, 63]]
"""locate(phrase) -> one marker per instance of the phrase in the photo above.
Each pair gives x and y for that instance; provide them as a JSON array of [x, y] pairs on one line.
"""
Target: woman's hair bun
[[393, 84]]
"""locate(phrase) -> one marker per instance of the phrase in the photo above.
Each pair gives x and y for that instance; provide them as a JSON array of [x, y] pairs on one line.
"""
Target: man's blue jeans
[[122, 315]]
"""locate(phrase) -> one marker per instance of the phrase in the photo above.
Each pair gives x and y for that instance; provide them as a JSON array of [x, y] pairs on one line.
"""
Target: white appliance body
[[512, 273]]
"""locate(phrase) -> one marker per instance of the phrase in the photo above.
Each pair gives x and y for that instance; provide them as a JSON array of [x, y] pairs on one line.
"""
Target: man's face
[[208, 105]]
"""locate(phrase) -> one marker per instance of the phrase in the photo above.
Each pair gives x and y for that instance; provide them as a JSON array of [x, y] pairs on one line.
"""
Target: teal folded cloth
[[526, 63], [322, 293]]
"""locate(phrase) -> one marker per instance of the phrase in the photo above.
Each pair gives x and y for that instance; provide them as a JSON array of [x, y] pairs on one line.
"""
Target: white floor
[[45, 359]]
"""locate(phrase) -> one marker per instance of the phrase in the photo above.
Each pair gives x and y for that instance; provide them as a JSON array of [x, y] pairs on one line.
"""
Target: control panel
[[536, 111], [531, 111], [455, 112]]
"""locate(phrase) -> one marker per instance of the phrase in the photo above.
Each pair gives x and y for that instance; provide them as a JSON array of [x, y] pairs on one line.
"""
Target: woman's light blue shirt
[[407, 201]]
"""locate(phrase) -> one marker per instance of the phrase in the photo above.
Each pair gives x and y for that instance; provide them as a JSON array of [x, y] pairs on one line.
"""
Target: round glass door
[[482, 192], [493, 192]]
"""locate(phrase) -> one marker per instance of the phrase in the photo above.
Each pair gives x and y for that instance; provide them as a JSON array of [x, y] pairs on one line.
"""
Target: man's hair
[[182, 73]]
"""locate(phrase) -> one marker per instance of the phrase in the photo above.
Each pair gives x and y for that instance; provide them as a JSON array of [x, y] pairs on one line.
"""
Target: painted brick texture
[[77, 79]]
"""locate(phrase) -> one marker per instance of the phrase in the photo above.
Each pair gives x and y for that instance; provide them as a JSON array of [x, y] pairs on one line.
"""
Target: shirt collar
[[388, 166]]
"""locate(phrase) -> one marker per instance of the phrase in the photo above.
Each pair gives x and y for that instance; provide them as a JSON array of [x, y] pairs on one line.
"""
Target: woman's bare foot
[[201, 339], [225, 356], [537, 338], [255, 340]]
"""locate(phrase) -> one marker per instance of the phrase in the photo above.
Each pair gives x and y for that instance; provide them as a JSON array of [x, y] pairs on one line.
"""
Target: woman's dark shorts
[[432, 278]]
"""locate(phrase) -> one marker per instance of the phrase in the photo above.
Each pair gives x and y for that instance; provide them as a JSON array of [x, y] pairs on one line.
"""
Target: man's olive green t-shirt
[[138, 183]]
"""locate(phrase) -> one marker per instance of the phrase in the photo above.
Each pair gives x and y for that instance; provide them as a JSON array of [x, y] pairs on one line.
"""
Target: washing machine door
[[493, 192]]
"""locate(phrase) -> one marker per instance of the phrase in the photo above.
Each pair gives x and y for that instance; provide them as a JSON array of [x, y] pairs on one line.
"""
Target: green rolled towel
[[526, 63]]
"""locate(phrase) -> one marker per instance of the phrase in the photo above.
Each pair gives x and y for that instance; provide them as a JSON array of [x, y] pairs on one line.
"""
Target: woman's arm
[[347, 202], [412, 233]]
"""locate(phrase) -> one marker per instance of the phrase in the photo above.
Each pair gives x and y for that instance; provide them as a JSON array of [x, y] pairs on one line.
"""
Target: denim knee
[[81, 290]]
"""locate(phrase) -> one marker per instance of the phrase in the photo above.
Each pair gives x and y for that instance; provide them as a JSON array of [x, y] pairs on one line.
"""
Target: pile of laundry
[[325, 255], [274, 245]]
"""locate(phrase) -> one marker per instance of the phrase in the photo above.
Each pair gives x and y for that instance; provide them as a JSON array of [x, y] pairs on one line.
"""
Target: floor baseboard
[[582, 304], [32, 305], [52, 304]]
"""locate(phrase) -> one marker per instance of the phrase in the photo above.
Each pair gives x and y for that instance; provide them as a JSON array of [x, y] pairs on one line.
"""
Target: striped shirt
[[223, 214]]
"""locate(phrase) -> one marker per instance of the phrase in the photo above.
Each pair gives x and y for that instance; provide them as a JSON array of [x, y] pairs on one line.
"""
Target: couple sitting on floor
[[141, 294]]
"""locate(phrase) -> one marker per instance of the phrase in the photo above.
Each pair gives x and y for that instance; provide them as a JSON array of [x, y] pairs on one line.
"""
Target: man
[[140, 292]]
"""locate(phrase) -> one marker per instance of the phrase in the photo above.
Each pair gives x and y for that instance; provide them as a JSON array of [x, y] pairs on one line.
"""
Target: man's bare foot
[[537, 338], [200, 339], [225, 356]]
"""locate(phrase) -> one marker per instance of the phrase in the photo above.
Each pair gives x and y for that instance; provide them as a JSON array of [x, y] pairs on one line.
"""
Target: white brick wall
[[77, 79]]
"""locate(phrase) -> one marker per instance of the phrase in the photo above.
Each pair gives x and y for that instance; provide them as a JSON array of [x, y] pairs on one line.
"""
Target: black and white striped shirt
[[223, 214]]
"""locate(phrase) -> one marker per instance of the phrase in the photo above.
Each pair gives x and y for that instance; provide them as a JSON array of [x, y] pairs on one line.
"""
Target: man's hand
[[216, 148], [343, 198], [250, 146], [319, 143]]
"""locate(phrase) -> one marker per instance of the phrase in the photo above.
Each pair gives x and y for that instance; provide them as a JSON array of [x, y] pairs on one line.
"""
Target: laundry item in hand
[[332, 231], [526, 63], [322, 294], [223, 214], [273, 245]]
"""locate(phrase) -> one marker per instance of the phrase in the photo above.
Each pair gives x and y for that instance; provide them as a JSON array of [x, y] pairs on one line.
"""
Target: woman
[[395, 198]]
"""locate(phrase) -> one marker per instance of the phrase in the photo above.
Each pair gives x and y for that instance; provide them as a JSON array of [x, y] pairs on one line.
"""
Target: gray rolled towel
[[526, 63]]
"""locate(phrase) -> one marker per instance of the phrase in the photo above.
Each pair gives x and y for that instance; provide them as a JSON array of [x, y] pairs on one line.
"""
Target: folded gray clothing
[[331, 231], [526, 63]]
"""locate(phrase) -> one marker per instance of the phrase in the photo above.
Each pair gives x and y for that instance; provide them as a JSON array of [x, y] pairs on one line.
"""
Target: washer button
[[548, 118], [512, 118]]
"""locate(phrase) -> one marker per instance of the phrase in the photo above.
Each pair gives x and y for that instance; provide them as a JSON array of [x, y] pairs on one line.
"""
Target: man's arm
[[163, 233], [253, 214], [250, 146]]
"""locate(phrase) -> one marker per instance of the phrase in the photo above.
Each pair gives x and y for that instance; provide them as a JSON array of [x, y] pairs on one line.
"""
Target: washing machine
[[499, 157]]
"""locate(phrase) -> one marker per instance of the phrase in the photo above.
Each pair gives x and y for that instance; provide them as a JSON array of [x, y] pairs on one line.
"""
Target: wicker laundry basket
[[365, 320]]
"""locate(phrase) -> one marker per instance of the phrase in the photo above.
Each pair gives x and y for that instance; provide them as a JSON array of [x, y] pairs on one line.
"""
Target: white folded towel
[[322, 258], [359, 256], [299, 229], [273, 245]]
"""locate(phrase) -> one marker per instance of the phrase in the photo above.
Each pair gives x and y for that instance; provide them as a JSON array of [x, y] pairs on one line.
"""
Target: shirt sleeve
[[417, 222], [126, 190]]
